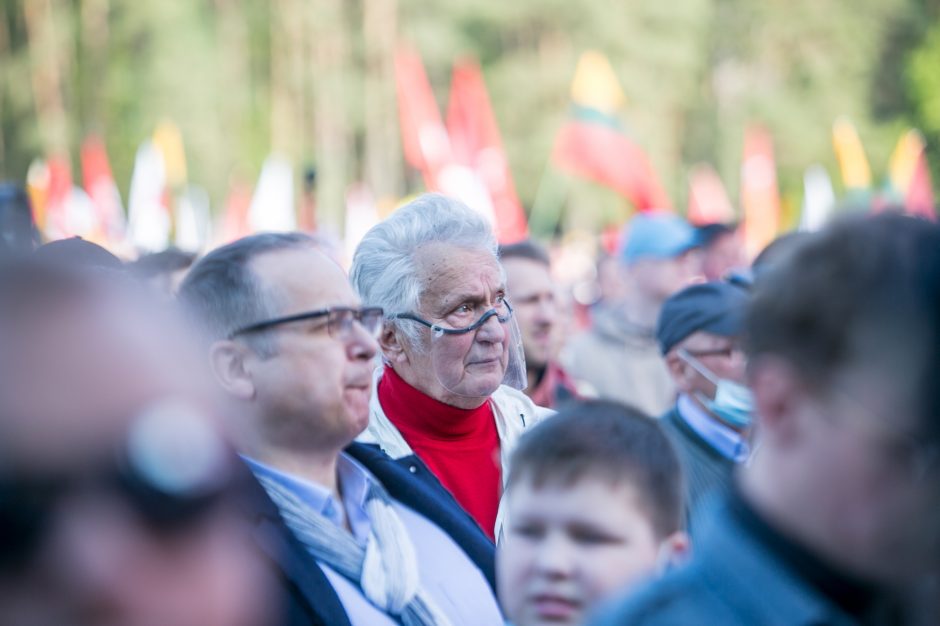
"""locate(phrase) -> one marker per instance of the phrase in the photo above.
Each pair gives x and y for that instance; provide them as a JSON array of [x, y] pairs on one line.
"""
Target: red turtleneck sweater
[[460, 446]]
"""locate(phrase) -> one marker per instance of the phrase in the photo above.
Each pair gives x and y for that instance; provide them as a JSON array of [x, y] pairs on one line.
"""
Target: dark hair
[[526, 249], [164, 262], [608, 441], [18, 232], [222, 293], [708, 234], [864, 291], [778, 249]]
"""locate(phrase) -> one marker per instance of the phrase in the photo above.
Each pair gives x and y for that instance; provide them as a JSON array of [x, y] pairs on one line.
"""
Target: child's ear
[[674, 550]]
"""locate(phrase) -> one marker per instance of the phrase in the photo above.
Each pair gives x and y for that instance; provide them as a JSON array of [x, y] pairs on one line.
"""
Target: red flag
[[476, 143], [708, 200], [60, 186], [759, 196], [919, 197], [99, 183], [426, 144]]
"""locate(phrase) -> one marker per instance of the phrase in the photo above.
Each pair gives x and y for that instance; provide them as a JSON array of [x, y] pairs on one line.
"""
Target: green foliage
[[695, 73]]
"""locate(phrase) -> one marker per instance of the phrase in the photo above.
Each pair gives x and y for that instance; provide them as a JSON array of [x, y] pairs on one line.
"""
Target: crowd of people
[[258, 436]]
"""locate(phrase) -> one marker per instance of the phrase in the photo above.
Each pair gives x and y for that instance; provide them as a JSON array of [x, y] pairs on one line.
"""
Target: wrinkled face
[[658, 279], [459, 286], [725, 254], [91, 553], [532, 295], [567, 548], [874, 480], [315, 389]]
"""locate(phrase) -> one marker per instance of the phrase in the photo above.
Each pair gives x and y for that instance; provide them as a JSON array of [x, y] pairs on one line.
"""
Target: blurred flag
[[37, 186], [910, 175], [148, 216], [169, 141], [476, 144], [424, 138], [193, 225], [272, 207], [708, 200], [58, 190], [99, 183], [235, 217], [594, 144], [856, 174], [426, 142], [818, 198], [760, 199]]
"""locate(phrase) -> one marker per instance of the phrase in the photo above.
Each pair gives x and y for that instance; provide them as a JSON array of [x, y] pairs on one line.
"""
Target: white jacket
[[513, 410]]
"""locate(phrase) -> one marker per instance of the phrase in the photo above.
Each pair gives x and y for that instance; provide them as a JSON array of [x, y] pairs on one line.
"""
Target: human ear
[[778, 393], [674, 550], [392, 345], [680, 371], [227, 360]]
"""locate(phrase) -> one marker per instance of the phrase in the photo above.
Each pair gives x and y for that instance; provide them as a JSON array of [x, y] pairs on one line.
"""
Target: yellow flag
[[169, 141], [595, 85], [856, 174], [904, 159]]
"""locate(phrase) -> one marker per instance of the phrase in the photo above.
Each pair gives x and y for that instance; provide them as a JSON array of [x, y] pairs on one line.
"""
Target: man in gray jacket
[[836, 518]]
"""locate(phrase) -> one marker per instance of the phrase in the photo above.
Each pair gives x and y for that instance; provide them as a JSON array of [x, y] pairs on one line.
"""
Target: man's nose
[[360, 343], [492, 330]]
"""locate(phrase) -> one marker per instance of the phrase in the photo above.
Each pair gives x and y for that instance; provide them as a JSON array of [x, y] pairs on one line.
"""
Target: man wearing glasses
[[698, 332], [358, 538], [449, 391], [835, 519]]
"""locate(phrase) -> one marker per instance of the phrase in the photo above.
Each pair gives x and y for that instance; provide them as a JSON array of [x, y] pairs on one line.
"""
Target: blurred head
[[115, 487], [722, 250], [435, 260], [532, 294], [75, 252], [699, 332], [844, 349], [595, 505], [289, 344], [18, 232], [165, 270], [659, 255]]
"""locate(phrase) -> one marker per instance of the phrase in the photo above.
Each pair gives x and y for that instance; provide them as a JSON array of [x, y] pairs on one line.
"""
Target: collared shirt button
[[413, 469]]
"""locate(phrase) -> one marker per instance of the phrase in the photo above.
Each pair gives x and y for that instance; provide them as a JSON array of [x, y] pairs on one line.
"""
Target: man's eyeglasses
[[502, 311], [339, 322]]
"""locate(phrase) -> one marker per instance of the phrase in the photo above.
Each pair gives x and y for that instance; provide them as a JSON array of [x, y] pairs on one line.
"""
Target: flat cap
[[716, 307]]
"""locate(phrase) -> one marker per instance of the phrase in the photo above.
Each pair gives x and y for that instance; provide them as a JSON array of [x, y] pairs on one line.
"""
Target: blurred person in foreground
[[595, 506], [721, 249], [699, 333], [619, 356], [449, 389], [118, 499], [837, 513], [367, 541], [532, 294]]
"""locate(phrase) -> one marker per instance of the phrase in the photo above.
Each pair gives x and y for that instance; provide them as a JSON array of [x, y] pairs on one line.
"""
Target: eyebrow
[[451, 300]]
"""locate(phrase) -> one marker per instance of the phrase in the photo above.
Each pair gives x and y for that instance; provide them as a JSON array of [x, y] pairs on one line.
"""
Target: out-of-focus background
[[212, 118]]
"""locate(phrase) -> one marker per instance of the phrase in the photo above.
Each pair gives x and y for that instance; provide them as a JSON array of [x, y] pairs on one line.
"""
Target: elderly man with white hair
[[448, 393]]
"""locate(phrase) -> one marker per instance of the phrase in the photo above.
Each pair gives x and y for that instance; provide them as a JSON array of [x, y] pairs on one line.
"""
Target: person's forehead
[[702, 340], [621, 497], [447, 272], [304, 277]]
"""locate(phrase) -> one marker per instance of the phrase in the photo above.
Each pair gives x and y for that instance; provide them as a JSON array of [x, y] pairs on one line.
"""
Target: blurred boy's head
[[595, 505]]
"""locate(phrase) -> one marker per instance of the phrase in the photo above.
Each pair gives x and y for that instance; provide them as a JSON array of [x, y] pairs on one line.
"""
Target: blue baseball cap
[[656, 235], [717, 308]]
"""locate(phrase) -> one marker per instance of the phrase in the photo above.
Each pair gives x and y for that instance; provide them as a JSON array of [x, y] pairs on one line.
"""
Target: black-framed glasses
[[339, 323], [502, 311]]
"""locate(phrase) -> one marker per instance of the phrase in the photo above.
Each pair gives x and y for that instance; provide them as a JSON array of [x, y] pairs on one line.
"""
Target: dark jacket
[[306, 596]]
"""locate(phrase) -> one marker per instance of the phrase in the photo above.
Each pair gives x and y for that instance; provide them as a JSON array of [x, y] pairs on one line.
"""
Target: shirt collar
[[727, 441], [354, 482]]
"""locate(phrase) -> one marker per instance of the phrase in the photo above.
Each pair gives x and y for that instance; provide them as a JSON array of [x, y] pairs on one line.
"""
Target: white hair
[[383, 269]]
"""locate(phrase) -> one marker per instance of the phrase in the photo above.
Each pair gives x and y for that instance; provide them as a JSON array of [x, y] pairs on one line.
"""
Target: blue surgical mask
[[733, 402]]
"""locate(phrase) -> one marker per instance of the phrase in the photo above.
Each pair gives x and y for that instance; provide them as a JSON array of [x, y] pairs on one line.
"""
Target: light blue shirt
[[727, 441], [447, 574]]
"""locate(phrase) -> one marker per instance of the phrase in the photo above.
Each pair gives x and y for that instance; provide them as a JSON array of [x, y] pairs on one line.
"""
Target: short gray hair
[[221, 292], [383, 270]]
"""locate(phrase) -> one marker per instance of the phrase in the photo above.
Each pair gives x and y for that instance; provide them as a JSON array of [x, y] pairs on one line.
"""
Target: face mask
[[733, 402]]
